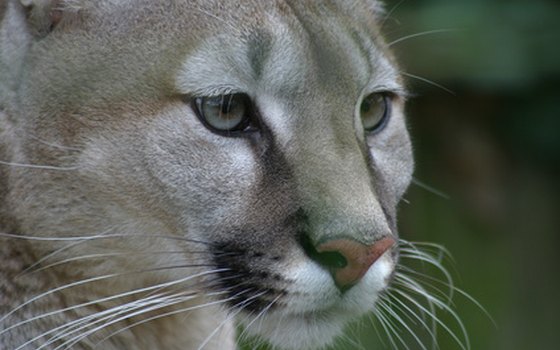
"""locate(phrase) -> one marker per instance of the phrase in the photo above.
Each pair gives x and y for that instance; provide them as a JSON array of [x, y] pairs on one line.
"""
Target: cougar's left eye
[[375, 111], [226, 114]]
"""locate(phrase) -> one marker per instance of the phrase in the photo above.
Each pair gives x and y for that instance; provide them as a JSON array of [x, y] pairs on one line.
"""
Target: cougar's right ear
[[42, 15]]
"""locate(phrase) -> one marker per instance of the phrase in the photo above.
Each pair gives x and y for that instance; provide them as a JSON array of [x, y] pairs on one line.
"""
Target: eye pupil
[[365, 106], [228, 114], [227, 103]]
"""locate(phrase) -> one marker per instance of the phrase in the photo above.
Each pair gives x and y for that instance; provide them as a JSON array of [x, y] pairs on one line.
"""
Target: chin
[[314, 320], [301, 332]]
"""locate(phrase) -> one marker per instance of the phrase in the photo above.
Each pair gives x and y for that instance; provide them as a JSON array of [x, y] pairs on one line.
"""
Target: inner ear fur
[[42, 15]]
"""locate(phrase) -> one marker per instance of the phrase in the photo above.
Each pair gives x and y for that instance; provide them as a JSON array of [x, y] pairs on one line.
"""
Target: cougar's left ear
[[42, 15]]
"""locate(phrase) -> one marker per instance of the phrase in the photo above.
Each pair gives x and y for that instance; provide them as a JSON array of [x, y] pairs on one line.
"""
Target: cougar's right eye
[[226, 114]]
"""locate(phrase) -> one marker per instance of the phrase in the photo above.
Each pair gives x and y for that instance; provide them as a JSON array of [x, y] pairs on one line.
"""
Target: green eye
[[225, 114], [375, 112]]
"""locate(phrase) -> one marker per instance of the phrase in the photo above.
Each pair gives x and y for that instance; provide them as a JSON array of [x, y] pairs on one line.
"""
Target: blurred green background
[[492, 148]]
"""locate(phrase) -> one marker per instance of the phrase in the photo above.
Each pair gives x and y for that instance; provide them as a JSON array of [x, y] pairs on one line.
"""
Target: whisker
[[95, 279], [104, 236], [61, 328], [54, 145], [38, 166], [50, 239], [135, 311], [346, 340], [264, 311], [454, 289], [412, 315], [55, 252], [399, 319], [241, 306], [430, 82], [427, 259], [82, 323], [171, 300], [190, 308], [434, 317], [380, 315], [373, 323], [170, 313], [427, 187], [388, 300], [389, 14], [416, 35], [390, 329], [423, 256], [108, 255], [447, 295], [427, 245], [204, 12], [85, 239], [408, 282]]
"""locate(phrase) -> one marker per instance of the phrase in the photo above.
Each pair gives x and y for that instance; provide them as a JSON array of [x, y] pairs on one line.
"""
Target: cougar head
[[261, 145]]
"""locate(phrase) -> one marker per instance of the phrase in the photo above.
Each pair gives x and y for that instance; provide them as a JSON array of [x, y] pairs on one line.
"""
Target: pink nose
[[350, 260]]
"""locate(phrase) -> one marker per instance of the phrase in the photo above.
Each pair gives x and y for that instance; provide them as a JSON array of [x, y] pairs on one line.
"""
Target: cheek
[[169, 162], [197, 168], [391, 151], [396, 165]]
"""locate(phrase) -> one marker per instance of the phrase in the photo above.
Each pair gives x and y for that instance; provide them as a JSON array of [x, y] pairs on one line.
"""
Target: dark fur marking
[[259, 47]]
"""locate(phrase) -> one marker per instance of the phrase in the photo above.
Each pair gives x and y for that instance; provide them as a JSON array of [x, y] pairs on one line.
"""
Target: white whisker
[[263, 312], [54, 145], [57, 251], [393, 314], [430, 82], [140, 309], [450, 288], [39, 166], [453, 289], [102, 236], [373, 323], [67, 326], [52, 239], [421, 184], [417, 254], [424, 247], [79, 324], [106, 255], [466, 345], [241, 306], [390, 13], [129, 293], [416, 35], [407, 311], [390, 329], [170, 313]]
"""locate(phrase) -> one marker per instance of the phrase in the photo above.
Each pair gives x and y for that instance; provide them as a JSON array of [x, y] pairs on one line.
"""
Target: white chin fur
[[315, 312]]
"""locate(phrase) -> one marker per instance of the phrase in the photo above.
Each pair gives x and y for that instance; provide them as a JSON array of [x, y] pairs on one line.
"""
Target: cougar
[[179, 174]]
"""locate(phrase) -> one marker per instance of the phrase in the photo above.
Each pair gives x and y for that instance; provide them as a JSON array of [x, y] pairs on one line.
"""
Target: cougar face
[[241, 161]]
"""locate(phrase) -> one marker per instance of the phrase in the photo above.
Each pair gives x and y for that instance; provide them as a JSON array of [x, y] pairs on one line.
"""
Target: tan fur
[[106, 170]]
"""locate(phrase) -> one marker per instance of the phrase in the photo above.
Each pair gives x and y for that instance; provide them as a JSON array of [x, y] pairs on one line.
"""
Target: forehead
[[278, 45]]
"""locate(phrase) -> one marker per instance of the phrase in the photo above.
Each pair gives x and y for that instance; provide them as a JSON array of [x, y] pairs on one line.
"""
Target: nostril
[[331, 259]]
